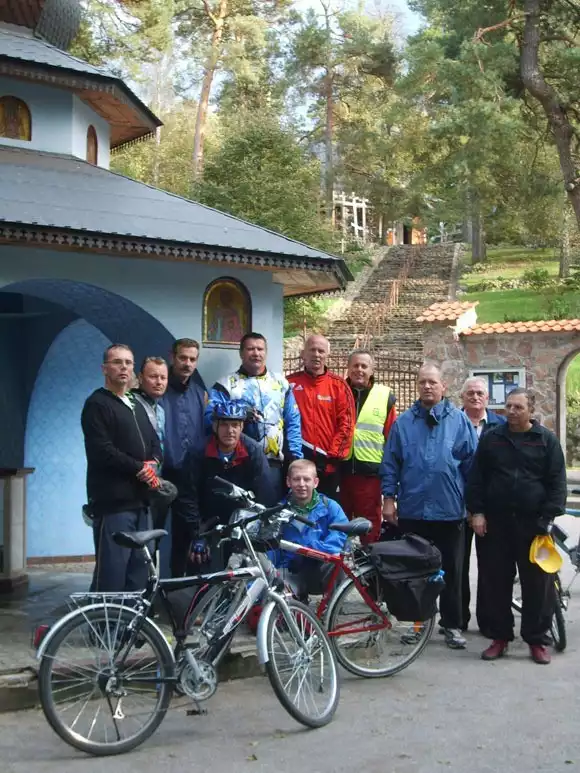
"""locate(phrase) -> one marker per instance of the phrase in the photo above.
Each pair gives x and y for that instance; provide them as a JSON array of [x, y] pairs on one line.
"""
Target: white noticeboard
[[500, 382]]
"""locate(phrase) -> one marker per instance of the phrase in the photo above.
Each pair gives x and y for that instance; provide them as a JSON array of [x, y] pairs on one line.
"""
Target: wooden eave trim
[[17, 234]]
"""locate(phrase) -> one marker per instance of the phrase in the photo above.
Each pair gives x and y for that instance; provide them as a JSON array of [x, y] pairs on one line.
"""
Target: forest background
[[470, 125]]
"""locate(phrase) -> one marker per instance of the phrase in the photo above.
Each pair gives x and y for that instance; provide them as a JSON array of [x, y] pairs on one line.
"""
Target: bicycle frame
[[325, 603]]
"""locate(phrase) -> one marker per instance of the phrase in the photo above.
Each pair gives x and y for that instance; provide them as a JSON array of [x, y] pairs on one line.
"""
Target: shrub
[[536, 278]]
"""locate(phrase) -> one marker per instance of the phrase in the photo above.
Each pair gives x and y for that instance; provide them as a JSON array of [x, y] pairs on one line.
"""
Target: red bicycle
[[366, 638]]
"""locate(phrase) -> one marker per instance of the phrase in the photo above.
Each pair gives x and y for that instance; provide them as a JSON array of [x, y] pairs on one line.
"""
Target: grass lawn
[[573, 377], [510, 263], [522, 305]]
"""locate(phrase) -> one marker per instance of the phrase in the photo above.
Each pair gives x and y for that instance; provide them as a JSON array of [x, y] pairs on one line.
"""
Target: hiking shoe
[[497, 649], [540, 654], [453, 638]]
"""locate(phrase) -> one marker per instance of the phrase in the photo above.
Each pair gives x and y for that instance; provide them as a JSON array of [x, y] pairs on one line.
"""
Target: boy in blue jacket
[[307, 575]]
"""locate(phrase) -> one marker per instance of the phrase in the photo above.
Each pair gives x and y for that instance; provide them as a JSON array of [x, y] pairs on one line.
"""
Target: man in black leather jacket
[[517, 486]]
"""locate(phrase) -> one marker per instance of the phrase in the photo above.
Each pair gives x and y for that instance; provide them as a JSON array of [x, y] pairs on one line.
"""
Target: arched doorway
[[52, 336], [568, 389]]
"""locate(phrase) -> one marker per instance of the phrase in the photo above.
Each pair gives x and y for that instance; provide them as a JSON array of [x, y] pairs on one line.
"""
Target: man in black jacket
[[234, 457], [516, 488], [123, 453]]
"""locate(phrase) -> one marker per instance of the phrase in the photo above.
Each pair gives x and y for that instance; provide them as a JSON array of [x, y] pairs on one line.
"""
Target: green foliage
[[260, 173], [536, 278]]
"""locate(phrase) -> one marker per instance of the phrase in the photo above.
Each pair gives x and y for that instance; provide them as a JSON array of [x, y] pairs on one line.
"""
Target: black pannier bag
[[409, 569]]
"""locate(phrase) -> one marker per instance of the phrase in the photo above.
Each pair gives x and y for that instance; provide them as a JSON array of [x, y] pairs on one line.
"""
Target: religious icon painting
[[227, 312]]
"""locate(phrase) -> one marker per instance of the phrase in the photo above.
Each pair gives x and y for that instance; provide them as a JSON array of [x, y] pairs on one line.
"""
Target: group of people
[[332, 448]]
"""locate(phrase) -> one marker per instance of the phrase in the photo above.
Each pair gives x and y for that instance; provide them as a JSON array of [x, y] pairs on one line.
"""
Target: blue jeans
[[117, 568]]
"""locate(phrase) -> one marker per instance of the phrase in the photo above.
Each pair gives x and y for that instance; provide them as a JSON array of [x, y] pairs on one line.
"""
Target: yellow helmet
[[544, 553]]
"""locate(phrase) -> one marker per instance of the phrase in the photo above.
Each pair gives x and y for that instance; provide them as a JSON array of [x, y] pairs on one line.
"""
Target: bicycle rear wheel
[[93, 702], [304, 677], [369, 644], [208, 618], [558, 629]]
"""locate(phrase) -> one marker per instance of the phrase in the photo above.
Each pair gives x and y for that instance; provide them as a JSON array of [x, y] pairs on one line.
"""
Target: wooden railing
[[374, 325]]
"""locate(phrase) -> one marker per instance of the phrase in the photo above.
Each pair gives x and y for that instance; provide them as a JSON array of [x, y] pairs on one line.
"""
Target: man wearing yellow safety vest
[[360, 485]]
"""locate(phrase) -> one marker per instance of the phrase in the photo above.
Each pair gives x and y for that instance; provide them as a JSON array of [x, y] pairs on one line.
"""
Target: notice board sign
[[500, 382]]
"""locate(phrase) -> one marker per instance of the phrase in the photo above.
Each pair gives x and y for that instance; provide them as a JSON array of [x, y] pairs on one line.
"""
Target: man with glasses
[[273, 418], [123, 452], [475, 398]]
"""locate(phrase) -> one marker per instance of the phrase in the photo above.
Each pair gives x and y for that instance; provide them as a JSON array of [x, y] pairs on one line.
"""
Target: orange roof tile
[[534, 326], [448, 310]]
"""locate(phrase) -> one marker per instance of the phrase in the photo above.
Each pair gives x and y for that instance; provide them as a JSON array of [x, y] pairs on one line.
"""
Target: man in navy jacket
[[424, 469], [475, 398], [184, 404]]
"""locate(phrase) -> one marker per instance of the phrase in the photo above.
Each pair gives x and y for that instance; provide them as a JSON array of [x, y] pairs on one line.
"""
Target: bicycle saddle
[[358, 527], [137, 539]]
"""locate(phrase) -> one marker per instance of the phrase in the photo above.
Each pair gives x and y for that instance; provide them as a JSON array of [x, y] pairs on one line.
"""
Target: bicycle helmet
[[230, 410]]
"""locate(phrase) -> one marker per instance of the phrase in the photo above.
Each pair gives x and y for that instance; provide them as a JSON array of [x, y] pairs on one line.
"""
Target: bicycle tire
[[558, 629], [411, 642], [96, 619], [313, 633], [218, 600]]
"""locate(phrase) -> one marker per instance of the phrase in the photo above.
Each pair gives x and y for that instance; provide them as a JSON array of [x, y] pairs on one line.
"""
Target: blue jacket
[[426, 462], [184, 405], [324, 513], [493, 420]]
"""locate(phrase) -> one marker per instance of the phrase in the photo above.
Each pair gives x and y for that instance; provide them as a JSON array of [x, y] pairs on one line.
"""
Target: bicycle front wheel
[[304, 676], [98, 696], [368, 643]]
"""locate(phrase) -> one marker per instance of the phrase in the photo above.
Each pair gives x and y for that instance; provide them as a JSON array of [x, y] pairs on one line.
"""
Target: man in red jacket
[[327, 411]]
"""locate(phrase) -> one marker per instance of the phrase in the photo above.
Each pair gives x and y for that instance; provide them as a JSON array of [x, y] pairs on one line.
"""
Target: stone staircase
[[428, 281]]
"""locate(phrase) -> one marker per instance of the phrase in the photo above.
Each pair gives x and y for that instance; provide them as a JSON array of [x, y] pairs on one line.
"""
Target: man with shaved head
[[424, 470], [327, 411]]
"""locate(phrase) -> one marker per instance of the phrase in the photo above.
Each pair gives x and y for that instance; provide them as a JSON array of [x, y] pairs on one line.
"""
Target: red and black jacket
[[327, 412], [247, 468]]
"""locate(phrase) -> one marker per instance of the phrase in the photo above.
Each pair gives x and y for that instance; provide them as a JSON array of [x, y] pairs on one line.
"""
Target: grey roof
[[63, 192], [20, 43]]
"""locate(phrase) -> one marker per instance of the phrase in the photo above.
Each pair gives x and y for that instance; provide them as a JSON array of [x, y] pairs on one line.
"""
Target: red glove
[[147, 475]]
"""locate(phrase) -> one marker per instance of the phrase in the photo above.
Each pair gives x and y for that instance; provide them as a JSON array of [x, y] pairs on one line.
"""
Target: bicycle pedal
[[196, 712]]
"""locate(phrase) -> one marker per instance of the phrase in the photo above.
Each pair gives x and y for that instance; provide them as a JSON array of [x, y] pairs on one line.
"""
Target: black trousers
[[507, 544], [480, 610], [118, 568], [448, 536], [328, 484], [180, 542]]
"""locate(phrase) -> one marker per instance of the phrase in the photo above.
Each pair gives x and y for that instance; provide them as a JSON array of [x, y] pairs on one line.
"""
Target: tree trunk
[[534, 81], [478, 245], [209, 74], [565, 251], [328, 145]]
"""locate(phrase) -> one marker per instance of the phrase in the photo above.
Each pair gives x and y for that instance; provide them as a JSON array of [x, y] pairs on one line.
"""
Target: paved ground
[[449, 711]]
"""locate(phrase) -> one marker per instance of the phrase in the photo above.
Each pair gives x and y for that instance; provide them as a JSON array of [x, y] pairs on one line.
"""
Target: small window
[[92, 146], [227, 313], [15, 121]]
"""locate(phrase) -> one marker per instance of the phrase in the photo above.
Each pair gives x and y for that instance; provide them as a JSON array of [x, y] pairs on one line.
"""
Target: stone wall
[[545, 356]]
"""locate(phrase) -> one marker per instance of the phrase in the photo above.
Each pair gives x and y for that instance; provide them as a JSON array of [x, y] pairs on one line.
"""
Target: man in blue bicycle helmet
[[234, 457]]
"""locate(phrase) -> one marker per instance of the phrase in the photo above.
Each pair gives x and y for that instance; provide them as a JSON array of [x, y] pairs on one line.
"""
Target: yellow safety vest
[[368, 442]]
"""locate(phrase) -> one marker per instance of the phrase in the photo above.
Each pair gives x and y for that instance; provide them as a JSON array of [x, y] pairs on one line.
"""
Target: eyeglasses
[[473, 393], [128, 363]]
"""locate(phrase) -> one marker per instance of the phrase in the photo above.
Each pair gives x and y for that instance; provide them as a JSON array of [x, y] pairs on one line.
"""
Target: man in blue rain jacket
[[423, 473]]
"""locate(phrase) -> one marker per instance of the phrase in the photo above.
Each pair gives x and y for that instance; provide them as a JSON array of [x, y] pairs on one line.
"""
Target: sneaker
[[453, 638], [412, 635], [540, 654], [497, 649]]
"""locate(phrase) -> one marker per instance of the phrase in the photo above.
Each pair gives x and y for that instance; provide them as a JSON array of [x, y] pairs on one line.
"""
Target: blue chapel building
[[89, 257]]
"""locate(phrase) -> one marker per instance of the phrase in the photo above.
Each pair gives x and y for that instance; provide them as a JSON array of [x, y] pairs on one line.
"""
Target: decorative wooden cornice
[[80, 241]]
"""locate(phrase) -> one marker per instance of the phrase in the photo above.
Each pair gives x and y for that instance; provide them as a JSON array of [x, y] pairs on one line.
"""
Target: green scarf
[[309, 506]]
